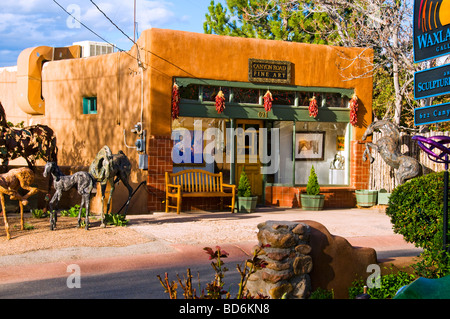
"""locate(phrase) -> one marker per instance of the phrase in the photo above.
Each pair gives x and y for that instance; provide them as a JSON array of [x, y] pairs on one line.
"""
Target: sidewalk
[[179, 240]]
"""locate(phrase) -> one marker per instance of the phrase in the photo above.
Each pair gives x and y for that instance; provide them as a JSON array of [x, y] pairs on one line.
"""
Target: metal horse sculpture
[[389, 148], [110, 168], [9, 185], [83, 181], [31, 142]]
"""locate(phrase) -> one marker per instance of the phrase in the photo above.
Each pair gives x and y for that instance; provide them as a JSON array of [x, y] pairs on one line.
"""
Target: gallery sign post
[[432, 82], [431, 39], [431, 29]]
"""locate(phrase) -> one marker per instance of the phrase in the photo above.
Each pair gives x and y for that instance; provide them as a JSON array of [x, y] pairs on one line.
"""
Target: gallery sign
[[432, 114], [432, 82], [431, 29], [269, 71]]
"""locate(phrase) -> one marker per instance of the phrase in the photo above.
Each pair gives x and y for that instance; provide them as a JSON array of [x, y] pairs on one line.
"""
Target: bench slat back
[[196, 180]]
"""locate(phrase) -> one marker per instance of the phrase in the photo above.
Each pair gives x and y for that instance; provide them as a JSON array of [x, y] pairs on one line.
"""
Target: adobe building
[[124, 100]]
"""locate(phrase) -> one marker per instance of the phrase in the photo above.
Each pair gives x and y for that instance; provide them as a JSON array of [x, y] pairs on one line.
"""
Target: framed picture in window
[[309, 146]]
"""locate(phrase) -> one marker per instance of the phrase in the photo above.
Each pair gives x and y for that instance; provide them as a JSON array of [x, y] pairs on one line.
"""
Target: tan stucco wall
[[116, 81], [186, 54]]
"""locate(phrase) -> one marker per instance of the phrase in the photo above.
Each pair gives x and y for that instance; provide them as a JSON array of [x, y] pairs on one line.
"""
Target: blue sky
[[29, 23]]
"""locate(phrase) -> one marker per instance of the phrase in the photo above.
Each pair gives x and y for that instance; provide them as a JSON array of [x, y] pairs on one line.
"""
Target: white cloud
[[27, 23]]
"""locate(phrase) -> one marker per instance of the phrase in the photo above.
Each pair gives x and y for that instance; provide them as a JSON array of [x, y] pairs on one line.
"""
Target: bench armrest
[[178, 187], [233, 187], [229, 185]]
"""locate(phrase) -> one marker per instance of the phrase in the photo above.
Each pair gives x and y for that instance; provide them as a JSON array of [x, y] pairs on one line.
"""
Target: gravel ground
[[161, 232]]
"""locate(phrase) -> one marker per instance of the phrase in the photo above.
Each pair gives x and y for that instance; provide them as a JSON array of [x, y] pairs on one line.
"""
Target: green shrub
[[312, 188], [415, 209], [416, 212], [321, 293], [244, 187], [390, 284]]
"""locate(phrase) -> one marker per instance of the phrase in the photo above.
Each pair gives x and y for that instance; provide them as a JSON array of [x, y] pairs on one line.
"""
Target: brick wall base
[[160, 161], [289, 197]]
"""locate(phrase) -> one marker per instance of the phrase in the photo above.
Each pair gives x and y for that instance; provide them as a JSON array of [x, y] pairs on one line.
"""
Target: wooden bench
[[197, 183]]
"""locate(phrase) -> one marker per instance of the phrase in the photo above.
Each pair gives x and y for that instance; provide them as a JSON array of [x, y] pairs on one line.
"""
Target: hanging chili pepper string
[[268, 99], [313, 107], [220, 102], [175, 101], [354, 110]]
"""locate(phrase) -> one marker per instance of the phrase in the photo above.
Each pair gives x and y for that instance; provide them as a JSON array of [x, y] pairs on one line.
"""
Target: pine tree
[[312, 188], [244, 187]]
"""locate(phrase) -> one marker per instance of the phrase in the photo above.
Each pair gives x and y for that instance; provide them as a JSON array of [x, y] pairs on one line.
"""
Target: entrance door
[[247, 154]]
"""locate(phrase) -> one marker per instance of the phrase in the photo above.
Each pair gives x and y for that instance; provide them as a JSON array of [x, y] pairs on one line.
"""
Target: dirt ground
[[67, 235]]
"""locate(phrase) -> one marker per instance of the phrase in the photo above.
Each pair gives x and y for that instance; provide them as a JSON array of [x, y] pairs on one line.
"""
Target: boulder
[[336, 262]]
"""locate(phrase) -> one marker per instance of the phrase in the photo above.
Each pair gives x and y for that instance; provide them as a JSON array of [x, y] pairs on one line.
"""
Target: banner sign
[[431, 29], [432, 82], [432, 114]]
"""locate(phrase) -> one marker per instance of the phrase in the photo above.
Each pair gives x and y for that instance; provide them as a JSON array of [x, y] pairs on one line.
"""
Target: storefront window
[[210, 92], [283, 97], [238, 95], [198, 142], [189, 92], [324, 145], [241, 95]]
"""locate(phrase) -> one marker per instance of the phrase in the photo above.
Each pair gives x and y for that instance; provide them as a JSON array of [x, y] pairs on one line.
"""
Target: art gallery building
[[118, 98]]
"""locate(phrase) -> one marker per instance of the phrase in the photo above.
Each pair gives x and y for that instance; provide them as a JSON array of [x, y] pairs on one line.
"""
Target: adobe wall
[[116, 81], [185, 54]]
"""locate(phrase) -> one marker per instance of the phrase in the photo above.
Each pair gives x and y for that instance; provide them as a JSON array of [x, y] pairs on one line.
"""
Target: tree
[[383, 25], [266, 19]]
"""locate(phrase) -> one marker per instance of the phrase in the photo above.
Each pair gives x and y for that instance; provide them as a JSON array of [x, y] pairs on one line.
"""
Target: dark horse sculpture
[[31, 142], [110, 168], [389, 148], [83, 181]]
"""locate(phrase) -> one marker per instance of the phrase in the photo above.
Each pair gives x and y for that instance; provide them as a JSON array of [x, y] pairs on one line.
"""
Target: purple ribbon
[[434, 142]]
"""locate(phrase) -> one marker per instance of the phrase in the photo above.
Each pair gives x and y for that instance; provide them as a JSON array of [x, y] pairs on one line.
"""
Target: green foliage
[[390, 284], [434, 263], [244, 187], [38, 213], [415, 209], [73, 211], [312, 188], [416, 212], [265, 19], [116, 219], [321, 293]]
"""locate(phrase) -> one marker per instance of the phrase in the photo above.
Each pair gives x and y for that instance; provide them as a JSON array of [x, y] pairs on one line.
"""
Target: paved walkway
[[179, 239]]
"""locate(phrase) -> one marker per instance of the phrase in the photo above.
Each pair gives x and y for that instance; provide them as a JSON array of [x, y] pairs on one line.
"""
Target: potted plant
[[383, 197], [246, 202], [312, 200], [366, 197]]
